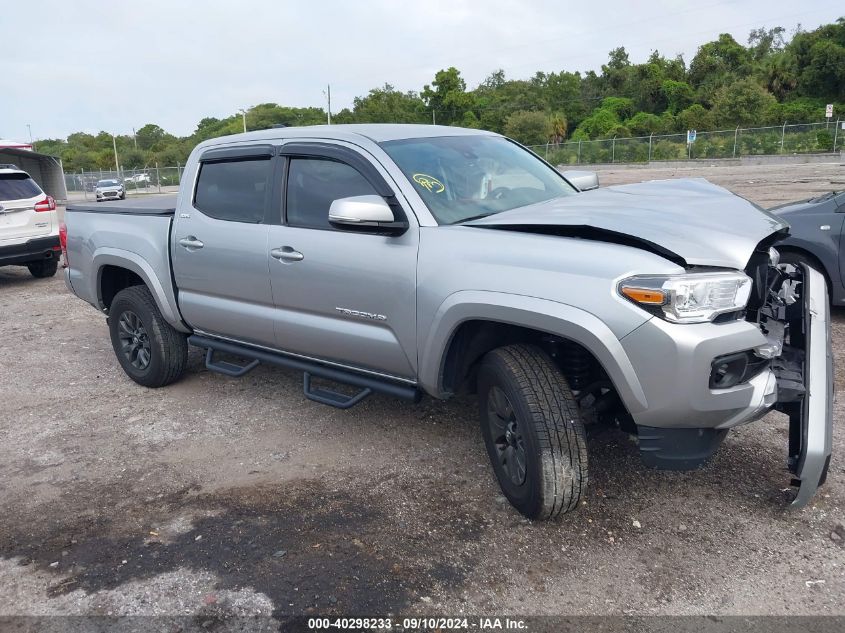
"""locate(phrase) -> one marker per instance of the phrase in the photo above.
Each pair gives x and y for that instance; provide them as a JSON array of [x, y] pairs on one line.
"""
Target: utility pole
[[243, 114], [116, 164], [135, 138], [328, 93], [433, 118], [29, 129]]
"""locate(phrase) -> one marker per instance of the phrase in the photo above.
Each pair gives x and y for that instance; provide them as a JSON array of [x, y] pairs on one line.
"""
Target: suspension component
[[576, 364]]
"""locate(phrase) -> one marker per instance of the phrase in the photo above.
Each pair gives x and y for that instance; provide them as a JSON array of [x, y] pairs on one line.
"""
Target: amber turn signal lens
[[646, 296]]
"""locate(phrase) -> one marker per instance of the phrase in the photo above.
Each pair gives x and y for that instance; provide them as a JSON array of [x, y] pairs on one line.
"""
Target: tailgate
[[19, 220]]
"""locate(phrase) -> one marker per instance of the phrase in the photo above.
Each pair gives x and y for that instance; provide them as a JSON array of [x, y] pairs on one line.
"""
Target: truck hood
[[690, 221]]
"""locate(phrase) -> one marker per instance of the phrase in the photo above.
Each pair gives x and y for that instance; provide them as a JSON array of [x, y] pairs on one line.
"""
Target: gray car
[[109, 189], [815, 237], [417, 260]]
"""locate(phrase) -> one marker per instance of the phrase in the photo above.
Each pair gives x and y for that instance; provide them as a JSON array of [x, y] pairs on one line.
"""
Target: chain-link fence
[[803, 138], [81, 185]]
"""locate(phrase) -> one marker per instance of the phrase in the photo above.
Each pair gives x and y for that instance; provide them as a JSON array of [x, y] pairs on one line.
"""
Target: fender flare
[[531, 312], [162, 295]]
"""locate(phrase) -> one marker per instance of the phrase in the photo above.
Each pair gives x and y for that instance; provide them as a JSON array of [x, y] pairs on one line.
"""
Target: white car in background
[[29, 225], [110, 189], [138, 179]]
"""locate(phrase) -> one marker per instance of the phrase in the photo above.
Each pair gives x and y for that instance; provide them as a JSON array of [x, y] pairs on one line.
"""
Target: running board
[[332, 398], [226, 368], [366, 384]]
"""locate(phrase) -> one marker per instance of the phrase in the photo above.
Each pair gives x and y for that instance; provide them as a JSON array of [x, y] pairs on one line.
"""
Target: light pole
[[243, 115], [135, 138], [328, 93], [114, 145], [29, 129]]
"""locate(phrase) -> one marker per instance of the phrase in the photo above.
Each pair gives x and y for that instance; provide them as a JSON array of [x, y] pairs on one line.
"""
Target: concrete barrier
[[769, 159]]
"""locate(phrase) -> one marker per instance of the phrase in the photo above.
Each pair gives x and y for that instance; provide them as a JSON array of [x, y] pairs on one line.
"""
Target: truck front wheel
[[533, 431], [150, 350]]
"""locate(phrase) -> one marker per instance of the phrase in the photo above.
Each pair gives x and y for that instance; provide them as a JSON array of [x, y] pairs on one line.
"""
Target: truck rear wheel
[[533, 431], [150, 350]]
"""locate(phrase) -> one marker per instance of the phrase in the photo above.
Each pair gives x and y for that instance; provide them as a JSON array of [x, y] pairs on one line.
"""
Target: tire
[[123, 197], [44, 268], [539, 419], [150, 350], [794, 257]]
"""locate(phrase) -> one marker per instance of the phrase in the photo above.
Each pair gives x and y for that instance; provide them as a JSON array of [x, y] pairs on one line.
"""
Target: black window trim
[[345, 156], [225, 154]]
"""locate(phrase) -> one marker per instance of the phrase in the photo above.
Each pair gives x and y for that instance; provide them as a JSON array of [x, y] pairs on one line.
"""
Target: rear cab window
[[235, 189], [18, 186]]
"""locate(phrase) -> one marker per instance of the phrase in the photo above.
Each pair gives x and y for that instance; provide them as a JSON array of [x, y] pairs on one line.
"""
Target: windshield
[[461, 178], [107, 183]]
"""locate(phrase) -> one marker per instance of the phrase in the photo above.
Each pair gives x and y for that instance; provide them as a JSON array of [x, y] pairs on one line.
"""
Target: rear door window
[[18, 186], [234, 190]]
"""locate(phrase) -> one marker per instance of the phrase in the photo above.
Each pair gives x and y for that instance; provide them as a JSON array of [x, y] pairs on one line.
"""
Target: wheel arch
[[797, 249], [471, 323], [117, 269]]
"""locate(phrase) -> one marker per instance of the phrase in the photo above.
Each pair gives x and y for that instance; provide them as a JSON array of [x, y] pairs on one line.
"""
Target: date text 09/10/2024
[[418, 624]]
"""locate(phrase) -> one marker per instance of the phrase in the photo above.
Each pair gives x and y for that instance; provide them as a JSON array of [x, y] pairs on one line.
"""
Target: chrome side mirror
[[582, 180], [370, 214]]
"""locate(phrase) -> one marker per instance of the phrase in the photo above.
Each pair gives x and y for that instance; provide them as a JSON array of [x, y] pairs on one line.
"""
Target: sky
[[91, 65]]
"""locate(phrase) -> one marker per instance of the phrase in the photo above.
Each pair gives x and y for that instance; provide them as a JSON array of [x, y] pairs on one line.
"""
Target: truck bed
[[128, 234], [142, 205]]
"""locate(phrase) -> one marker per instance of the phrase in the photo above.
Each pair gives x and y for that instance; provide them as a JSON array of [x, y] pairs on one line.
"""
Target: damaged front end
[[790, 306]]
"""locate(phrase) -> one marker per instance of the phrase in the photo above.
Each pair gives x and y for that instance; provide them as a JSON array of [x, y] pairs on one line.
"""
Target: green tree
[[622, 107], [509, 96], [716, 64], [744, 102], [560, 126], [529, 128], [149, 135], [132, 159], [563, 94], [679, 95], [388, 105], [617, 71], [602, 123], [824, 74], [763, 42], [447, 96], [644, 123], [819, 61], [695, 117]]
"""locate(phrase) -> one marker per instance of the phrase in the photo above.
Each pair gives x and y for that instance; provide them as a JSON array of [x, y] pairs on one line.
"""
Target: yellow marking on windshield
[[429, 182]]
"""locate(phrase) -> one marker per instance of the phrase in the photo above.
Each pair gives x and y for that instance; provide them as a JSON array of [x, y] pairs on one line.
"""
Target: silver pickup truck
[[411, 260]]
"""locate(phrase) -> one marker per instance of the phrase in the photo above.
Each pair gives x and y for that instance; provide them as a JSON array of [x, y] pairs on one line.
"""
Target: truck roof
[[376, 132]]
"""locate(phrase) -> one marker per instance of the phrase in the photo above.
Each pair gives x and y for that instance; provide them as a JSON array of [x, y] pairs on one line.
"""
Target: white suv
[[29, 226]]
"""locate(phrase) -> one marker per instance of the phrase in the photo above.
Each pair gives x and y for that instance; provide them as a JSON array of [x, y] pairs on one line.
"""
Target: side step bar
[[366, 384]]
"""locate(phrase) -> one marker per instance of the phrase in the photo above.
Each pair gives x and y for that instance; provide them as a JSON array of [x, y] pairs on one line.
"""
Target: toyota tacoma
[[411, 260]]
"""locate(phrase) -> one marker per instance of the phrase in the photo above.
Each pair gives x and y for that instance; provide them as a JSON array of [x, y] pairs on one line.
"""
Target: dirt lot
[[218, 496]]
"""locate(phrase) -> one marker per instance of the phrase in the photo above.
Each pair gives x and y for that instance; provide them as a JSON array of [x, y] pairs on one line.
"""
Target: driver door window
[[313, 184]]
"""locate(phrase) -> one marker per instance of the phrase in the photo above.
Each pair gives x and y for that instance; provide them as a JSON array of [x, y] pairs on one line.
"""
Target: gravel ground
[[216, 496]]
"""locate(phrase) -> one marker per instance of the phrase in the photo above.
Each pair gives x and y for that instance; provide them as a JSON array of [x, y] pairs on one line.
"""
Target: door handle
[[287, 254], [191, 242]]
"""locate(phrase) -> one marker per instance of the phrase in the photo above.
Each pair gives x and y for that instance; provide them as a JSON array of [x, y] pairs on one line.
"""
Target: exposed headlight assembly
[[690, 298]]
